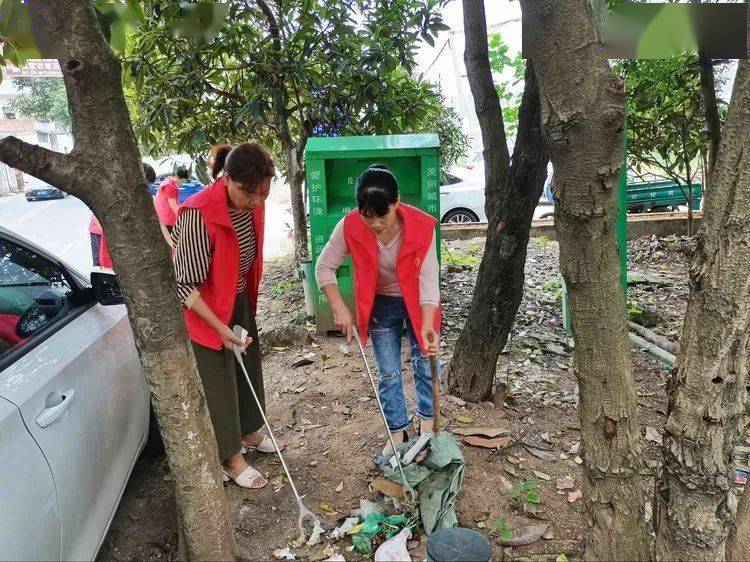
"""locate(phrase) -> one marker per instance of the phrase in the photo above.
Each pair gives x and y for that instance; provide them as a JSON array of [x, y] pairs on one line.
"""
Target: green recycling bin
[[333, 166]]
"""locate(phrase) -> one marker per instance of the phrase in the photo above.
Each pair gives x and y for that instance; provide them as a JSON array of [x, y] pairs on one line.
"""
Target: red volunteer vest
[[416, 238], [220, 288]]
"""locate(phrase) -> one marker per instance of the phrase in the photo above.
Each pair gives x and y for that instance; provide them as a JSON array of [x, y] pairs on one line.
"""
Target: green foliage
[[282, 288], [44, 99], [510, 96], [525, 491], [503, 528], [335, 74], [454, 144], [666, 117], [461, 261]]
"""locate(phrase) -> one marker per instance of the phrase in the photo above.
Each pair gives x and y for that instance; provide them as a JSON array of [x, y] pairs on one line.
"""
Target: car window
[[450, 179], [33, 293]]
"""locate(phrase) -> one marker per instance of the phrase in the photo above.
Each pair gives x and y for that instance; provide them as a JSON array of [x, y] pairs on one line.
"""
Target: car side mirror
[[106, 288]]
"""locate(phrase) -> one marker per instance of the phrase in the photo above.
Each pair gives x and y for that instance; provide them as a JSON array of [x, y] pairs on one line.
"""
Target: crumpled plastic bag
[[437, 478], [375, 524], [394, 549]]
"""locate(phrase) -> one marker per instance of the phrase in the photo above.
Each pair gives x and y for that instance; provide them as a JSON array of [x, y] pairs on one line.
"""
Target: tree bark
[[511, 195], [711, 108], [696, 506], [292, 155], [583, 111], [104, 170]]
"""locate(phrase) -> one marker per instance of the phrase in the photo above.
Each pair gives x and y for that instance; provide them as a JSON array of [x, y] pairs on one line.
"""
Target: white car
[[462, 200], [74, 407]]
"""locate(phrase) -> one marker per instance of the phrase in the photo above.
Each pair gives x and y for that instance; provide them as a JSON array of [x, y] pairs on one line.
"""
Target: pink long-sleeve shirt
[[387, 283]]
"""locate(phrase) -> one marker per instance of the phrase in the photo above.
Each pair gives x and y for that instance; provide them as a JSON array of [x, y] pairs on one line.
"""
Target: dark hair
[[376, 190], [181, 172], [149, 172], [219, 155], [247, 163]]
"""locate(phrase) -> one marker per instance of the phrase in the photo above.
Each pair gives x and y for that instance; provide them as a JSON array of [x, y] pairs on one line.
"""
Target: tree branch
[[52, 167]]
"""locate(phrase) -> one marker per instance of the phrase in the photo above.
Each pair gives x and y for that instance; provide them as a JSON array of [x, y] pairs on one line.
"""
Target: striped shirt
[[193, 251]]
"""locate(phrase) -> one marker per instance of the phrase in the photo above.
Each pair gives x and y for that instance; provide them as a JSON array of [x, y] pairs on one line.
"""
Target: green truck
[[661, 196], [653, 196]]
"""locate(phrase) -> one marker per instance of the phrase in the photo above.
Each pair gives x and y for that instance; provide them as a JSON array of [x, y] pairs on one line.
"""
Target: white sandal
[[265, 446], [246, 479]]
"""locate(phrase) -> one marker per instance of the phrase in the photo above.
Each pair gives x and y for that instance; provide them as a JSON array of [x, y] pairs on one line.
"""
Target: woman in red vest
[[218, 262], [395, 279]]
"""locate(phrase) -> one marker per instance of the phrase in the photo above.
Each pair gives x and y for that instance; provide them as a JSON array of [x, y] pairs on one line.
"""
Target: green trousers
[[233, 410]]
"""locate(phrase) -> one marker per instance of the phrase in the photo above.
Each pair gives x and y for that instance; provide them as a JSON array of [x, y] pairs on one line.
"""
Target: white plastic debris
[[346, 526], [336, 558], [366, 507], [417, 447], [315, 535], [284, 554], [394, 549]]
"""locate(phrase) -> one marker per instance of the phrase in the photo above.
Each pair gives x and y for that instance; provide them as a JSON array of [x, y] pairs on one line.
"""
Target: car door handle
[[48, 416]]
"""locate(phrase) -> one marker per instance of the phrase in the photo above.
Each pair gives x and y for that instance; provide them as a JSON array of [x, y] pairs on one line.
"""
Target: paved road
[[61, 226]]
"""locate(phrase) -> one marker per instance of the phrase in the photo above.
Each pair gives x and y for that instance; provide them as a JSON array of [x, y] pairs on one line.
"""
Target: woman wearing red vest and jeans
[[218, 263], [395, 279]]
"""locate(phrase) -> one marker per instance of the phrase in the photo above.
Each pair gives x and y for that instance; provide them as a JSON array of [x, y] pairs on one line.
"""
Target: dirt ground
[[327, 415]]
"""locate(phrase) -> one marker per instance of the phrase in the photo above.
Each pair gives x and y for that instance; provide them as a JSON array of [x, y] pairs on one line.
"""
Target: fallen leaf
[[525, 535], [485, 431], [279, 348], [511, 471], [167, 478], [549, 535], [565, 483], [542, 475], [575, 496], [464, 419], [561, 558], [652, 434], [340, 487], [326, 508], [277, 482], [388, 487], [505, 483], [495, 443], [540, 454], [648, 511], [307, 359], [481, 525]]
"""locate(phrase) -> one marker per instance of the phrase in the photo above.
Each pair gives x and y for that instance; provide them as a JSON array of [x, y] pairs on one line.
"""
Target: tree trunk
[[292, 156], [583, 112], [104, 170], [711, 108], [707, 398], [511, 197], [708, 88], [295, 176]]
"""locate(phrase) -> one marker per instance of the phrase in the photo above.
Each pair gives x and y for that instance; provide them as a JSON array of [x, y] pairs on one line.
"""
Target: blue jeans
[[386, 325]]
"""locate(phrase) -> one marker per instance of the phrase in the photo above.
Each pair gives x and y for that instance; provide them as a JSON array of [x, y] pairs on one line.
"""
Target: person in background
[[167, 201], [395, 279], [95, 229], [218, 265]]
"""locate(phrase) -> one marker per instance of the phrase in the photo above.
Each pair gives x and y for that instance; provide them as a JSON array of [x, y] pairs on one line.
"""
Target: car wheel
[[460, 216]]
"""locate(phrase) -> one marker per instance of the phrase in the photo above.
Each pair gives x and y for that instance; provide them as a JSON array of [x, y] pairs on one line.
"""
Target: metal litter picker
[[410, 494], [304, 512]]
